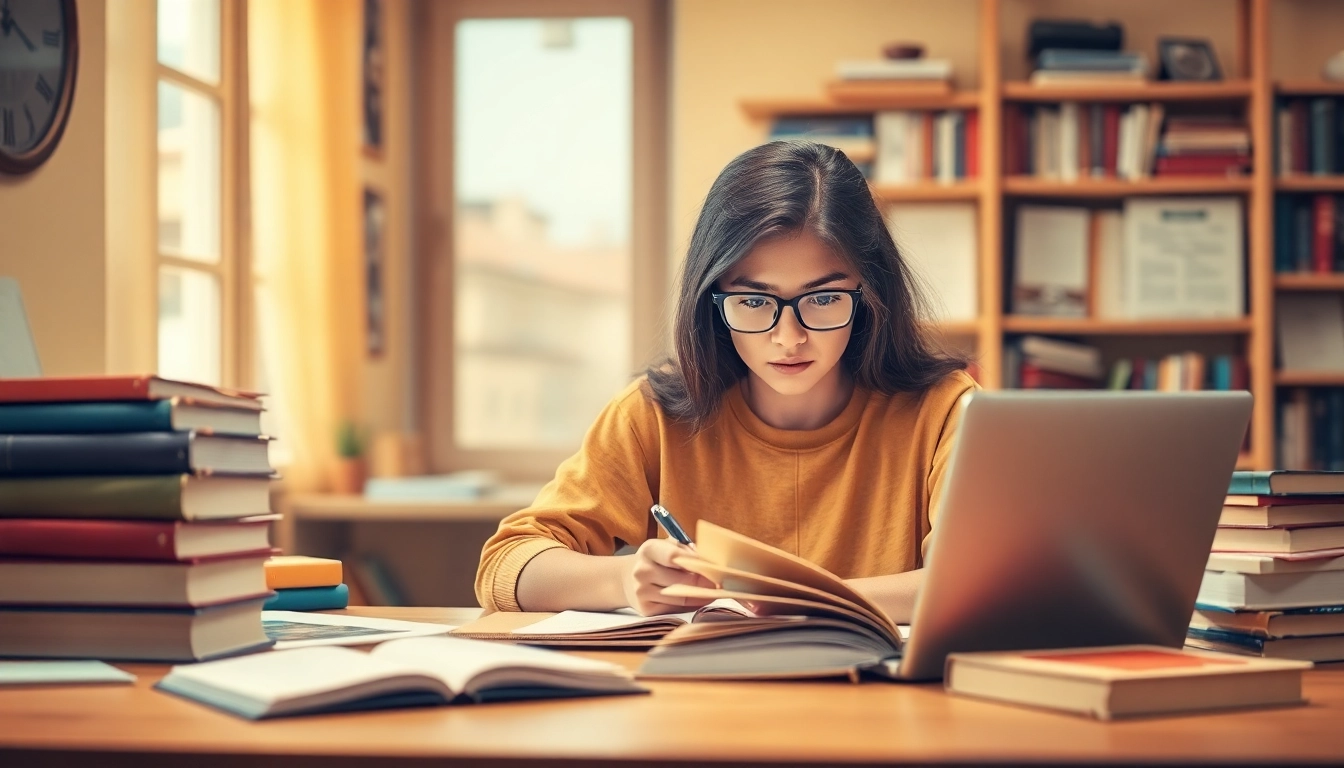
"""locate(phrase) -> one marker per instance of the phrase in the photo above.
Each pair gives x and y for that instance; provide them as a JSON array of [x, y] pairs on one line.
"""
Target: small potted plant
[[348, 474]]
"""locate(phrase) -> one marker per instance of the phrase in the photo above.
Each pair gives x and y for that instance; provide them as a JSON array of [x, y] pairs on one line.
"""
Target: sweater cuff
[[509, 564]]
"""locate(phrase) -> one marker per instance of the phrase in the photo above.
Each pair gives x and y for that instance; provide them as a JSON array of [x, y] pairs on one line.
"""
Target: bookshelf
[[1250, 88]]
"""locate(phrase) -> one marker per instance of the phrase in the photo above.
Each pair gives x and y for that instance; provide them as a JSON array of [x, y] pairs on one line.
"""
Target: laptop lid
[[18, 353], [1074, 519]]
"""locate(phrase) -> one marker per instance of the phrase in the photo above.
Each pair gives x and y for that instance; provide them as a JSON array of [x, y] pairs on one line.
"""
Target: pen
[[669, 524]]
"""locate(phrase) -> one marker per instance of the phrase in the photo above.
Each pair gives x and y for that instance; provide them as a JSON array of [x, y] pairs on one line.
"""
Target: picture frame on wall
[[373, 59], [375, 247]]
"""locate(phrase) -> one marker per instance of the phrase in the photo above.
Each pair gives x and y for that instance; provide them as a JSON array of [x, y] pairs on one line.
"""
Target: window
[[199, 261], [539, 310]]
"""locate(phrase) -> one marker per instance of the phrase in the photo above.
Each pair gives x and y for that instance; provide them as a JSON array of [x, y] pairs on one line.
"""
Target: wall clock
[[39, 56]]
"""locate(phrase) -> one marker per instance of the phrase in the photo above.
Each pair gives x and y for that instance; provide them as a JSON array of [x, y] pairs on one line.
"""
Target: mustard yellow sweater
[[857, 496]]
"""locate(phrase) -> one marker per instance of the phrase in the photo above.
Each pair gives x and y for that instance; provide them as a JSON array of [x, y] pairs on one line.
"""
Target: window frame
[[436, 198], [234, 268]]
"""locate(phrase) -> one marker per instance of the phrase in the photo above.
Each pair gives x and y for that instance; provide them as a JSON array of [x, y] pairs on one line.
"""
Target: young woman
[[805, 407]]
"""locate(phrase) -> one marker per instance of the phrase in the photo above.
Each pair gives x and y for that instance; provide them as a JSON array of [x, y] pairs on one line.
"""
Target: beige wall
[[727, 50], [1303, 34], [52, 223]]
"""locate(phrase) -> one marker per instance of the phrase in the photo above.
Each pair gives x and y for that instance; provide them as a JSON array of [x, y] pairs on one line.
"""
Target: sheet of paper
[[295, 629], [582, 622], [60, 672], [1184, 257]]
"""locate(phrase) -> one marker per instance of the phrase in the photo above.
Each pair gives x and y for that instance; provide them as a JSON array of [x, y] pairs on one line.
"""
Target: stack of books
[[1037, 362], [1061, 66], [134, 519], [915, 146], [305, 584], [1204, 146], [1274, 586], [859, 77]]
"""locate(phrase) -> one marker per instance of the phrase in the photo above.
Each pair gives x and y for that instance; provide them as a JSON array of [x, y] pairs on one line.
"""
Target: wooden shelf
[[766, 108], [929, 191], [492, 508], [1031, 186], [1154, 91], [1305, 183], [1308, 88], [1307, 281], [1309, 378], [1082, 326]]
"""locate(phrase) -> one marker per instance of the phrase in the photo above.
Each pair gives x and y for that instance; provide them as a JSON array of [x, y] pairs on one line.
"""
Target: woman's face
[[790, 358]]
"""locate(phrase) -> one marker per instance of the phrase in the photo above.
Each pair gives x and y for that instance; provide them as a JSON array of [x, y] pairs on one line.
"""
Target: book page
[[271, 678], [791, 606], [458, 661], [735, 580], [590, 622], [1184, 257]]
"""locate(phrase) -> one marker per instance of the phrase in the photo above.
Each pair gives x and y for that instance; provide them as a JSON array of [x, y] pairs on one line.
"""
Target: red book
[[51, 389], [1110, 138], [972, 144], [1035, 377], [1323, 249], [1214, 165], [1012, 141], [134, 539]]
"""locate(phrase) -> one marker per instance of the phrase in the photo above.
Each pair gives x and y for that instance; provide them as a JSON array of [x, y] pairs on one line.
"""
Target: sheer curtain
[[303, 58]]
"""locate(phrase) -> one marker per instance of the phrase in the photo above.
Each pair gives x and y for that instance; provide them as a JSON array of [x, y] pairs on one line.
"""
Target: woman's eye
[[824, 300], [751, 302]]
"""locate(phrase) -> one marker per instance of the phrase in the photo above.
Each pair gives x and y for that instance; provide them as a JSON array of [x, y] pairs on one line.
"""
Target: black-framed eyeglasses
[[824, 310]]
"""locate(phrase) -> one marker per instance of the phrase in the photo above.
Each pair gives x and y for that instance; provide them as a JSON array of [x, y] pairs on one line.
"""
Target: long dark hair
[[781, 188]]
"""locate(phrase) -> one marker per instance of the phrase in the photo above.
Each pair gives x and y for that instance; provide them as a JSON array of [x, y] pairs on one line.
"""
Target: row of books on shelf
[[1308, 136], [1071, 140], [1274, 582], [1311, 428], [896, 147], [1038, 362], [134, 519], [1309, 233]]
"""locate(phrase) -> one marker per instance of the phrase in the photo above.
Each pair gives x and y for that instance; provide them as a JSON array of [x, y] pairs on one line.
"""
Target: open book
[[399, 673], [588, 629], [817, 626]]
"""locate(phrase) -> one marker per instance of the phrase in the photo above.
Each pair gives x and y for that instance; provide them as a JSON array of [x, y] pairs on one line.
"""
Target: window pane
[[189, 37], [542, 232], [189, 174], [189, 325]]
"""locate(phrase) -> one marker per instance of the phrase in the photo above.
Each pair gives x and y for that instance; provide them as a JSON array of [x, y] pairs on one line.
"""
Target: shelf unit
[[1253, 88]]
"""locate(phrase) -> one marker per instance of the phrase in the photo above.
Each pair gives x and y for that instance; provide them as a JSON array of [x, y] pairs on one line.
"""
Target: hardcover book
[[1275, 482], [175, 415], [85, 582], [136, 453], [134, 539], [47, 389], [147, 497]]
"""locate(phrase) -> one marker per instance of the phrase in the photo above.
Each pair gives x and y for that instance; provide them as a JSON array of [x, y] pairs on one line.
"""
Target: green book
[[149, 497], [1282, 481]]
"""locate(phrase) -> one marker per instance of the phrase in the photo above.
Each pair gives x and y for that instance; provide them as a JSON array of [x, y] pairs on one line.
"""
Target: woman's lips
[[791, 368]]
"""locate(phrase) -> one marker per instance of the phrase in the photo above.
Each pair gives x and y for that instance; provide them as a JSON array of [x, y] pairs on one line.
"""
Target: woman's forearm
[[564, 580], [894, 594]]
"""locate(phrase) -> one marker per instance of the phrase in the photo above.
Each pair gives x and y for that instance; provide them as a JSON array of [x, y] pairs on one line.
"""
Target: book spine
[[1338, 265], [94, 539], [146, 453], [95, 388], [1303, 237], [1283, 251], [1301, 135], [86, 418], [972, 144], [133, 498], [309, 599], [1323, 246], [1249, 484]]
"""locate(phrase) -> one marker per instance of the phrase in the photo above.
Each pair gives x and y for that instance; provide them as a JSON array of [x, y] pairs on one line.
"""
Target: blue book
[[135, 453], [309, 599], [1283, 234], [103, 418], [1279, 482]]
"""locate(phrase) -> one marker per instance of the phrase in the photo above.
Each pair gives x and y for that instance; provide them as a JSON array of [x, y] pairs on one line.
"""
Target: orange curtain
[[303, 63]]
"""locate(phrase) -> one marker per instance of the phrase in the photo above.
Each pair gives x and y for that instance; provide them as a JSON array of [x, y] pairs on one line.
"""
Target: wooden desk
[[804, 723]]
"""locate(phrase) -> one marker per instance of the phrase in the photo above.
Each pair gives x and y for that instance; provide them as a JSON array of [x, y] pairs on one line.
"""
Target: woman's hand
[[650, 569]]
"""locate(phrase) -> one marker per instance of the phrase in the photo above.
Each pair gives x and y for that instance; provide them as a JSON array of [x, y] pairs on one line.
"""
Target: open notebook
[[398, 673], [817, 624], [580, 629]]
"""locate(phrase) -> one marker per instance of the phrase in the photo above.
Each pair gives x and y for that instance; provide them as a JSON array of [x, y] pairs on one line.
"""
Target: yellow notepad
[[296, 571]]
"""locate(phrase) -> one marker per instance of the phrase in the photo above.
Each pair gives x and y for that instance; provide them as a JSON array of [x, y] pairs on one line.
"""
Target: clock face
[[34, 43]]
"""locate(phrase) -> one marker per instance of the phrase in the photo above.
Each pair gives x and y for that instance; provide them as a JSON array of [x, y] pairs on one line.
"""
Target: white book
[[1110, 265], [895, 69], [916, 127], [1068, 141], [1062, 356], [947, 147], [1311, 332], [940, 243], [1272, 591], [1258, 562], [1184, 257], [419, 671], [1138, 129], [893, 135], [1051, 257], [1122, 144]]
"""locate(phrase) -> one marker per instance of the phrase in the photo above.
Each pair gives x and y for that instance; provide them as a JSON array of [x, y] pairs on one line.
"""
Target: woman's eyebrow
[[759, 286]]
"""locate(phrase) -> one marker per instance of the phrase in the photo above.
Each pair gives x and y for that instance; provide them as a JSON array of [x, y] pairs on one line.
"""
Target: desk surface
[[682, 722]]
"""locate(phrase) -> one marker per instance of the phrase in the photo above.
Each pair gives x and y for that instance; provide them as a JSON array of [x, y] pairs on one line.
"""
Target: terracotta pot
[[347, 476]]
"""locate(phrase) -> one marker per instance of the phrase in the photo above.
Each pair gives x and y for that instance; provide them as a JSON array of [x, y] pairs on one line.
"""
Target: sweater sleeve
[[942, 454], [598, 499]]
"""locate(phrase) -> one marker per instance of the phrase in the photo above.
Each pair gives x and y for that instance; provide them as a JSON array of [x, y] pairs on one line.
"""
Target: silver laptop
[[18, 353], [1074, 519]]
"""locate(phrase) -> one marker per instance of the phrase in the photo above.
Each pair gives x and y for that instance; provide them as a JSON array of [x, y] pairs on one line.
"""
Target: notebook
[[819, 626], [580, 629], [399, 673]]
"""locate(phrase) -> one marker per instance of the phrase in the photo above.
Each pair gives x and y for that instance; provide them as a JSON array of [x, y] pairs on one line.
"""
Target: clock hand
[[14, 25]]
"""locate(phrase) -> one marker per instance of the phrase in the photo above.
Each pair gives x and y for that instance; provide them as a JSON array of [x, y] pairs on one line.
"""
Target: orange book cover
[[298, 571]]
